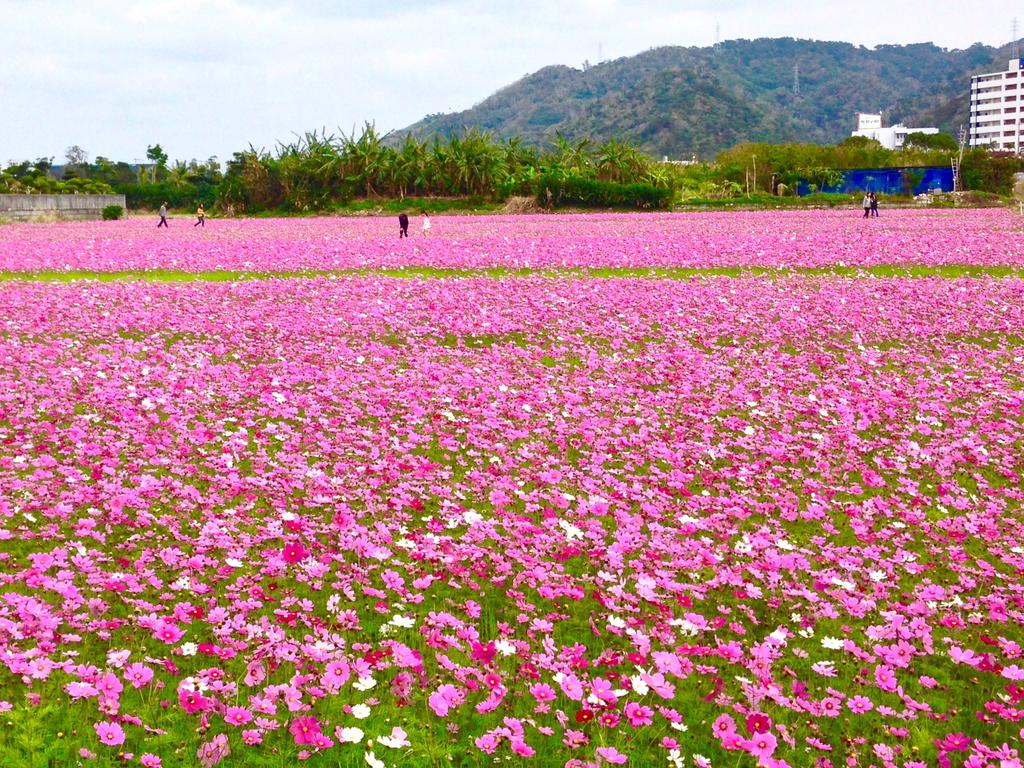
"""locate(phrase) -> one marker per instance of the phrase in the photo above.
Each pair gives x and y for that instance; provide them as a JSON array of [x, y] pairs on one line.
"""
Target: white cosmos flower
[[397, 739], [360, 711], [364, 683], [372, 761], [639, 685], [350, 735], [504, 647]]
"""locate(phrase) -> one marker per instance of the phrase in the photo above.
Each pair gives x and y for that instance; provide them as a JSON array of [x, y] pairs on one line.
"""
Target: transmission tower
[[1015, 49], [796, 80]]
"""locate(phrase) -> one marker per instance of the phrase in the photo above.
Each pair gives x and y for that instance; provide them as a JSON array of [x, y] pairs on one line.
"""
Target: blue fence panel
[[889, 181]]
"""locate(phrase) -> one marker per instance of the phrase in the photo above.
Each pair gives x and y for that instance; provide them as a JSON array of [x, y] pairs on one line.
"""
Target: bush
[[112, 212], [150, 196], [590, 193]]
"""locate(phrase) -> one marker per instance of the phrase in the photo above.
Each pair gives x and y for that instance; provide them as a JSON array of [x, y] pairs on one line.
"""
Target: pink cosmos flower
[[762, 745], [758, 723], [885, 678], [138, 675], [150, 760], [859, 704], [109, 685], [80, 690], [603, 690], [492, 680], [445, 698], [486, 743], [724, 725], [294, 552], [638, 715], [522, 749], [305, 730], [110, 734], [214, 751], [237, 716], [831, 706], [612, 755], [609, 718], [252, 737], [542, 692], [571, 687], [168, 633], [574, 739], [193, 701]]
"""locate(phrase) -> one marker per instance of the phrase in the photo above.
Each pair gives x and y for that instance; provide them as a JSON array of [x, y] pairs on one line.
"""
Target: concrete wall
[[28, 207]]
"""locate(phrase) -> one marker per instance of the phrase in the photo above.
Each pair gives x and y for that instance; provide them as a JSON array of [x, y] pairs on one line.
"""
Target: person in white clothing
[[426, 223]]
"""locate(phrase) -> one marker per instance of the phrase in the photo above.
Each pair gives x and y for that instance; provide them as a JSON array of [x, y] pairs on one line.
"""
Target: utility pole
[[958, 184]]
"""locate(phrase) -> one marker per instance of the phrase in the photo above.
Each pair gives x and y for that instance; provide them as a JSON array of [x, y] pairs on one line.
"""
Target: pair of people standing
[[200, 216], [870, 204], [403, 224]]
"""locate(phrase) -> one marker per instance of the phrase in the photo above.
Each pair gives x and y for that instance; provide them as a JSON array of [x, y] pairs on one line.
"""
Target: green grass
[[951, 271]]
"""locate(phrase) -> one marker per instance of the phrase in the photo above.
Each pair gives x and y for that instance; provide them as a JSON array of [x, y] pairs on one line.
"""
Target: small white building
[[869, 125], [995, 109]]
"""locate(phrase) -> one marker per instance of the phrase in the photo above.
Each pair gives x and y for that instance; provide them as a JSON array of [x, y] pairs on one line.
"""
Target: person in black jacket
[[403, 225]]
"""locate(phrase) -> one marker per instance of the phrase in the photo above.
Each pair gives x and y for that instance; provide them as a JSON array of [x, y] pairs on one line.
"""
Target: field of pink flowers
[[363, 520], [981, 237]]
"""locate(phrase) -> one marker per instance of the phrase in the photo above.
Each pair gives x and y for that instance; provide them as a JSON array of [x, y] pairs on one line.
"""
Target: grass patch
[[949, 271]]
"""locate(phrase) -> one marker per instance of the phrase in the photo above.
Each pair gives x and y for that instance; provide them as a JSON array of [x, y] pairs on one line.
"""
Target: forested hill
[[680, 101]]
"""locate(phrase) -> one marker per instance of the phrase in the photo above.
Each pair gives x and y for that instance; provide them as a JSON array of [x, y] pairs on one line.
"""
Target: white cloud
[[210, 76]]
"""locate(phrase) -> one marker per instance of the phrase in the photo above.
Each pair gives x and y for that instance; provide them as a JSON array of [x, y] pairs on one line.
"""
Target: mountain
[[682, 101]]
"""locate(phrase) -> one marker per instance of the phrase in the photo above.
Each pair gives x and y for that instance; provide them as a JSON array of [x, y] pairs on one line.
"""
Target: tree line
[[321, 171]]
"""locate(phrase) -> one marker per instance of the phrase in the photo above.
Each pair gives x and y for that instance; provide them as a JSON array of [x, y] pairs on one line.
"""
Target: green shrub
[[112, 212], [590, 193]]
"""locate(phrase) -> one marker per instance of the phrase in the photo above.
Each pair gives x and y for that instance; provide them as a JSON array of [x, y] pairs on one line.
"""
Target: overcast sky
[[208, 77]]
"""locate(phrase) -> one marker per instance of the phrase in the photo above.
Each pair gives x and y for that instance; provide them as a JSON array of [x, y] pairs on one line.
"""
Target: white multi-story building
[[869, 125], [995, 109]]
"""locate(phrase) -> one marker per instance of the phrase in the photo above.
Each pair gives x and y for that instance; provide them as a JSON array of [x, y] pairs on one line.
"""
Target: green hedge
[[112, 212], [590, 193], [151, 196]]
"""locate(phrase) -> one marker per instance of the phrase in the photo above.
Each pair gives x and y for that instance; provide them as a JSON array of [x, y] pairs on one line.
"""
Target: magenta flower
[[445, 698], [168, 633], [638, 715], [611, 755], [110, 734], [305, 730], [723, 726], [758, 723], [237, 716], [859, 704], [138, 675], [294, 552], [762, 745]]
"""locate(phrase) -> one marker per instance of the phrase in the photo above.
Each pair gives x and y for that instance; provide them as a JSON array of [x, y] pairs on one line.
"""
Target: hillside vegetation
[[683, 101]]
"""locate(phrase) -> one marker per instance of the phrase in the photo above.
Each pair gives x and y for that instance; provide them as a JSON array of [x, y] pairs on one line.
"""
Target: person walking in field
[[426, 223], [403, 225], [874, 204], [200, 217], [163, 216], [867, 204]]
